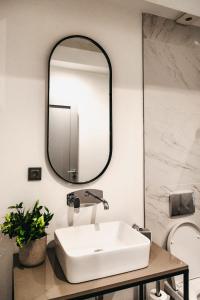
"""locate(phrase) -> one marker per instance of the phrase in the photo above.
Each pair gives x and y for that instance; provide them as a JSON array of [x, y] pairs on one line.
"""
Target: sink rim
[[145, 241]]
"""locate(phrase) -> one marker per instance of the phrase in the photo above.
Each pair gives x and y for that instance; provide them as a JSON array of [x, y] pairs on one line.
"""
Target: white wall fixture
[[105, 248]]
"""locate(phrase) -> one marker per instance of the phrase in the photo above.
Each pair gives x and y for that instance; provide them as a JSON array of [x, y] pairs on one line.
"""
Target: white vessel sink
[[89, 252]]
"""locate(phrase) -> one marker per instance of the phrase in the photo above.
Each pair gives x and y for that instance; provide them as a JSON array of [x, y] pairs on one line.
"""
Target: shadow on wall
[[7, 249]]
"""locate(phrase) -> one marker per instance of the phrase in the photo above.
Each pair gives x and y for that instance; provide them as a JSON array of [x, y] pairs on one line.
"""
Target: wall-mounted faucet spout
[[105, 203]]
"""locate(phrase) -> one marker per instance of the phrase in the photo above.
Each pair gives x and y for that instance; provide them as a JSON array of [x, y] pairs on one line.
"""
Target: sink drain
[[98, 250]]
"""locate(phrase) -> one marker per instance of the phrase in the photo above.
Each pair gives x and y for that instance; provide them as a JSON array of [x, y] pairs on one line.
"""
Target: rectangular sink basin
[[94, 251]]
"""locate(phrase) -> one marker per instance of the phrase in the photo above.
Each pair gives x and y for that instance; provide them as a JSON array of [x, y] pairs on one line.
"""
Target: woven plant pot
[[34, 253]]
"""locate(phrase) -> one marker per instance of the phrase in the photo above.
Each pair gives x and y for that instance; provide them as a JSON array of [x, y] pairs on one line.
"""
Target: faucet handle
[[76, 202], [73, 201], [70, 199], [76, 205]]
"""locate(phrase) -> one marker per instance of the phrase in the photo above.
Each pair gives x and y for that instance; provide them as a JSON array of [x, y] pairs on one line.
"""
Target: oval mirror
[[79, 109]]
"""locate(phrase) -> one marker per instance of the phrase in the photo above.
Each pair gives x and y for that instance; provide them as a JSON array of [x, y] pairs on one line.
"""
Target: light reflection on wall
[[87, 94]]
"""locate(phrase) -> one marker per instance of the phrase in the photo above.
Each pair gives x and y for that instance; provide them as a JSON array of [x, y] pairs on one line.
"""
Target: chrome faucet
[[85, 197], [105, 203]]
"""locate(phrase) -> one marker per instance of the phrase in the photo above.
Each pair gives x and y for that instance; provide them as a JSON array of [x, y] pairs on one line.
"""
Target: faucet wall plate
[[85, 198]]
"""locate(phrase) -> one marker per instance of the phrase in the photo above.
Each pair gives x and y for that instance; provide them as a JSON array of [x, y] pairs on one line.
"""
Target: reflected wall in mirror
[[79, 109]]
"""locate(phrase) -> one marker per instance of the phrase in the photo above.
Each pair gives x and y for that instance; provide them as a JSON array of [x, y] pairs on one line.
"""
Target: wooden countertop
[[47, 281]]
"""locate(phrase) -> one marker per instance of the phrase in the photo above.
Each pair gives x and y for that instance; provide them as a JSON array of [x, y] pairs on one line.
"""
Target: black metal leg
[[145, 291], [186, 284], [141, 292], [100, 297]]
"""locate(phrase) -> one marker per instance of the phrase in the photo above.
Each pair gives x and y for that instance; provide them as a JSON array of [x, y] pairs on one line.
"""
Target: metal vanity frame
[[47, 281], [184, 273]]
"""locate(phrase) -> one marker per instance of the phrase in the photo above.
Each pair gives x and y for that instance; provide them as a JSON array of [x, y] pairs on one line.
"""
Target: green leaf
[[46, 209], [26, 225]]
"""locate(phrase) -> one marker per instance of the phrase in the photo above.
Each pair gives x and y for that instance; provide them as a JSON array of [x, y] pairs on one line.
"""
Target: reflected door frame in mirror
[[70, 180]]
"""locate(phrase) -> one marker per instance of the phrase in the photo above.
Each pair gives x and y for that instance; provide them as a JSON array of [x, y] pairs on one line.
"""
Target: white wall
[[28, 31]]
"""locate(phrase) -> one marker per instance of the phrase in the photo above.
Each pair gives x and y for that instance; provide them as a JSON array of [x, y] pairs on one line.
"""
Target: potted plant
[[29, 229]]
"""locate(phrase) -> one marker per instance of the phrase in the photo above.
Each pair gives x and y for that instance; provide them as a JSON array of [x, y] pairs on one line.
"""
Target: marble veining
[[168, 31], [172, 119]]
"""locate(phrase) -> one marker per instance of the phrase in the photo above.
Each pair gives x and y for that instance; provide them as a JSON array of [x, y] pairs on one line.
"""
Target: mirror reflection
[[79, 127]]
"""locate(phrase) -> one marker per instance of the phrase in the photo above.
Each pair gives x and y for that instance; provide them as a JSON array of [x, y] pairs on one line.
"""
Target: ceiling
[[188, 6], [164, 8], [147, 7]]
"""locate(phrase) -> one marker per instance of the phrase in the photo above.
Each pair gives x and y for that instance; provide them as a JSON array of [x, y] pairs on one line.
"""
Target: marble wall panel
[[172, 119]]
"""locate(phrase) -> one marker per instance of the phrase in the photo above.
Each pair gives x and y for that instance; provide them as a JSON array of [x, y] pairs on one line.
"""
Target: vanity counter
[[47, 281]]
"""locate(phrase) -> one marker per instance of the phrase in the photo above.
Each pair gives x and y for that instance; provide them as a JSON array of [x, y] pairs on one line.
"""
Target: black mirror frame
[[110, 108]]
